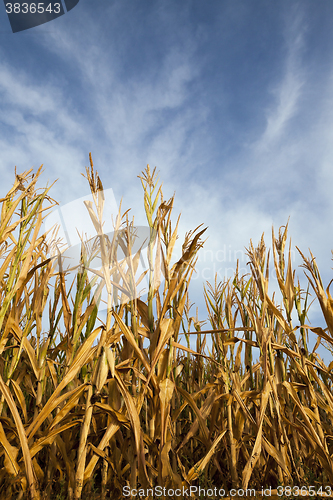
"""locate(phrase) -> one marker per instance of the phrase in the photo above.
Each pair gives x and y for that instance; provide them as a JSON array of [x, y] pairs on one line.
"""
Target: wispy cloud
[[288, 91], [37, 126]]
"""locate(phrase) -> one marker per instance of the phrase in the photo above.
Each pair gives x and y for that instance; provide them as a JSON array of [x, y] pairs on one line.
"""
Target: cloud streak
[[288, 92]]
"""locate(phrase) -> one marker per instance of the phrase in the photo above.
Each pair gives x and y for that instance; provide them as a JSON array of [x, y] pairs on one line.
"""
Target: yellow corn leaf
[[82, 356], [20, 396], [102, 370], [111, 431], [277, 455], [111, 360], [32, 357], [11, 453], [172, 243], [238, 357], [166, 390], [122, 419], [100, 453], [289, 285], [136, 426], [94, 220], [197, 411], [167, 472], [131, 339], [50, 437], [76, 393], [200, 466], [23, 440], [247, 472]]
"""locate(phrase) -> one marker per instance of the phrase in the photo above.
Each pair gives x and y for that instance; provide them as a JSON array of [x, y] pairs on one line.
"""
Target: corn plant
[[90, 406]]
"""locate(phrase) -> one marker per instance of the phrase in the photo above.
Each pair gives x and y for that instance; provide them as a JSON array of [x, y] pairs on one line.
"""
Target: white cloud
[[287, 93]]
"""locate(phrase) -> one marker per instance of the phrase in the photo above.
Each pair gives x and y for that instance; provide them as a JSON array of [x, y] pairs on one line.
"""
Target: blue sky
[[231, 100]]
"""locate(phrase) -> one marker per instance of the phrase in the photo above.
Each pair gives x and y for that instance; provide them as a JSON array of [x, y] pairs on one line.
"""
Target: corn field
[[89, 406]]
